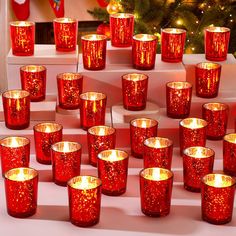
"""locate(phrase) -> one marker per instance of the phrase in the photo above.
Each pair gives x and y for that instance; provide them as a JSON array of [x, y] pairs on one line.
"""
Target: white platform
[[55, 62]]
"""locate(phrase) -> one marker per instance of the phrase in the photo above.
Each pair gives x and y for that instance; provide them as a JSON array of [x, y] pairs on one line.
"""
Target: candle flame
[[101, 132], [157, 143], [20, 176], [143, 124], [194, 124], [198, 153], [14, 142], [47, 129], [66, 147], [218, 181], [156, 175]]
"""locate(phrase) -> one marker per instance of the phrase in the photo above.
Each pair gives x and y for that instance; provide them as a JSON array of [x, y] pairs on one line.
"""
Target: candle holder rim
[[39, 68], [201, 64], [169, 142], [77, 144], [35, 127], [170, 173], [210, 29], [152, 37], [141, 75], [227, 137], [17, 22], [7, 93], [169, 29], [75, 76], [186, 83], [102, 96], [199, 157], [153, 122], [202, 120], [119, 14], [60, 20], [113, 130], [34, 171], [126, 154], [27, 141], [233, 180], [223, 106], [101, 37], [70, 181]]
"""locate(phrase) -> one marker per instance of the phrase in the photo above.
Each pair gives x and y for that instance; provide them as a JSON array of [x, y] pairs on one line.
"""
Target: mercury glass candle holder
[[21, 188], [84, 200], [22, 38], [134, 91], [216, 115], [100, 138], [216, 43], [70, 86], [197, 162], [155, 191], [217, 193]]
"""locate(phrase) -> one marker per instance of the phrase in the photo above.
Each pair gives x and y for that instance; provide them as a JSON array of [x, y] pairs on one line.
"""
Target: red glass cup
[[65, 34], [70, 86], [155, 191], [94, 51], [66, 159], [122, 28], [92, 109], [46, 134], [113, 171], [134, 90], [158, 152], [22, 38], [216, 43], [216, 115], [144, 48], [229, 154], [197, 162], [141, 129], [192, 132], [15, 152], [84, 200], [207, 79], [217, 193], [100, 138], [33, 80], [172, 44], [21, 188], [16, 106], [178, 99]]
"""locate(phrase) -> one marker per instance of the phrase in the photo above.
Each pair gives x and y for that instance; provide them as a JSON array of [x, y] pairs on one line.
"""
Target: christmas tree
[[153, 15]]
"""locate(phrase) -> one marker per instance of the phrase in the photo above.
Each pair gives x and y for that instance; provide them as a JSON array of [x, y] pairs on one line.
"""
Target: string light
[[179, 22]]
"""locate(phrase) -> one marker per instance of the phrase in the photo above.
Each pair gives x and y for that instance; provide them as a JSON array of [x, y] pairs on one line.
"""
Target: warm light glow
[[101, 131], [14, 142], [20, 174], [66, 147], [47, 129], [144, 37], [218, 180], [83, 183], [230, 138], [156, 174], [179, 22], [193, 123], [112, 155], [143, 124]]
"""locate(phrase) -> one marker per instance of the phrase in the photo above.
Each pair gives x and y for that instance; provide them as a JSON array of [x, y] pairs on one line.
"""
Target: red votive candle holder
[[113, 171], [229, 154], [70, 86], [21, 188], [178, 99], [216, 43], [134, 89], [33, 80], [197, 162], [16, 106], [207, 79], [144, 48], [217, 198], [84, 200], [158, 152], [15, 152], [155, 191], [46, 134], [100, 138], [92, 109], [94, 51], [216, 115], [192, 132], [172, 44], [22, 38], [122, 28], [65, 34], [66, 159], [141, 129]]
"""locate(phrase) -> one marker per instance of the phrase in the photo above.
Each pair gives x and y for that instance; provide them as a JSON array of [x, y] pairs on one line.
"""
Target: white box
[[55, 62], [108, 80]]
